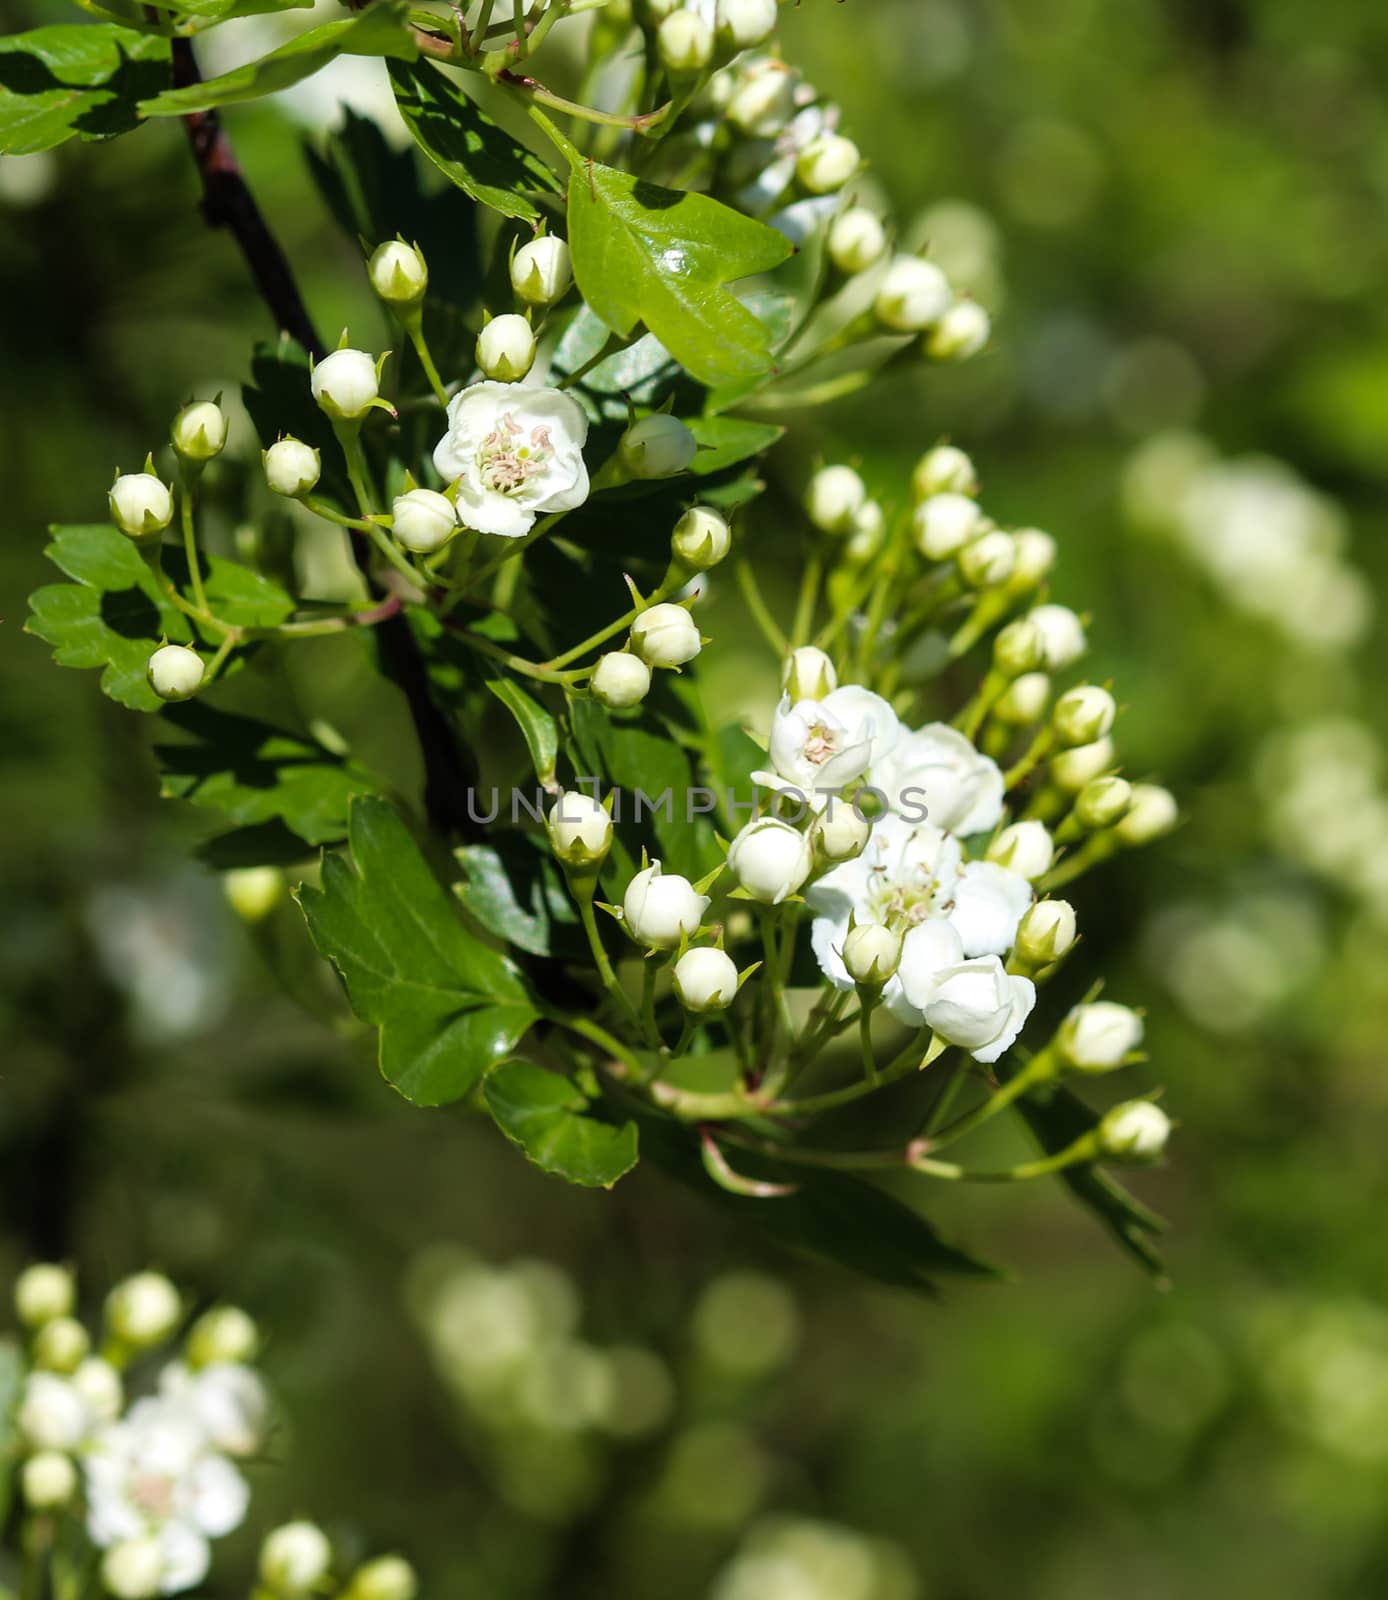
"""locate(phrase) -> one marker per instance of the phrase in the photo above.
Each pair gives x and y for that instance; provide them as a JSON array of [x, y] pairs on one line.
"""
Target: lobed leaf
[[75, 78], [547, 1116]]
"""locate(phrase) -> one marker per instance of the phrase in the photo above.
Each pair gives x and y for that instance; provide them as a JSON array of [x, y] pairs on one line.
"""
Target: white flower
[[762, 101], [226, 1399], [42, 1292], [770, 859], [685, 42], [423, 520], [1025, 848], [744, 23], [620, 679], [976, 1004], [1046, 932], [345, 384], [140, 504], [385, 1578], [1152, 813], [701, 539], [223, 1334], [944, 470], [944, 524], [516, 452], [938, 768], [295, 1559], [52, 1414], [175, 672], [705, 980], [658, 446], [660, 908], [987, 561], [199, 431], [48, 1481], [827, 163], [60, 1344], [871, 953], [398, 273], [134, 1569], [1136, 1131], [808, 674], [960, 333], [506, 348], [834, 498], [1083, 714], [144, 1309], [1099, 1036], [819, 746], [913, 295], [1036, 553], [541, 271], [580, 829], [291, 467], [985, 906], [1062, 635], [99, 1385], [857, 240], [665, 636]]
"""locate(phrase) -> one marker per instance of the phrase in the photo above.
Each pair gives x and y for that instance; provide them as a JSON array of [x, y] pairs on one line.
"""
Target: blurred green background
[[1178, 212]]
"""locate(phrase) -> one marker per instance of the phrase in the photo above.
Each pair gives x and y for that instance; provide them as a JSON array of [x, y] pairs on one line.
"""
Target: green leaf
[[515, 891], [255, 773], [262, 844], [75, 78], [546, 1115], [280, 401], [448, 1007], [244, 598], [467, 146], [541, 735], [643, 253], [382, 30], [724, 441], [225, 10], [643, 371]]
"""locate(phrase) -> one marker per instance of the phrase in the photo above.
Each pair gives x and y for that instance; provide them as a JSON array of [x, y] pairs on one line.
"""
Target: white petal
[[214, 1497], [826, 940], [186, 1558], [489, 512], [1023, 997], [928, 949], [988, 903]]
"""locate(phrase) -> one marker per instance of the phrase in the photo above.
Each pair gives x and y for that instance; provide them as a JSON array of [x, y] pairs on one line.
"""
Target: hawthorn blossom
[[824, 745], [938, 768]]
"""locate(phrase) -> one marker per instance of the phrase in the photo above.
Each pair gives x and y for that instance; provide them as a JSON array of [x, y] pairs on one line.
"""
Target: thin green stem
[[648, 1022], [611, 345], [527, 669], [395, 556], [190, 546], [415, 329], [514, 548], [809, 596], [586, 1028], [1035, 752], [584, 896], [622, 623], [228, 644], [761, 614], [949, 1091], [866, 1006], [907, 1061], [537, 92], [1037, 1070]]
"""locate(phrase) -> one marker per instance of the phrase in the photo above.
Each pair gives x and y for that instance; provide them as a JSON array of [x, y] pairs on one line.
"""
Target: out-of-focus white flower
[[745, 23], [52, 1414], [1017, 648], [827, 163], [685, 42], [912, 296], [385, 1578], [944, 524], [134, 1569], [223, 1334], [857, 240], [770, 860], [987, 562], [1024, 699], [1103, 802], [1135, 1131], [1152, 812], [661, 908], [1083, 714], [226, 1399], [961, 333], [834, 498], [516, 453], [937, 768], [295, 1559], [944, 470], [1036, 553], [1076, 768], [42, 1292], [1062, 633], [61, 1344], [48, 1480], [100, 1387], [143, 1310]]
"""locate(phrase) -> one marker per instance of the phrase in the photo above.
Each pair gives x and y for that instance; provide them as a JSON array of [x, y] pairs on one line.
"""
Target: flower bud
[[665, 636], [1046, 933], [506, 348], [253, 892], [745, 23], [869, 530], [661, 908], [143, 1310], [944, 470], [175, 672], [398, 273], [1137, 1130], [42, 1292], [1025, 848], [913, 295], [199, 431], [1024, 699], [944, 524], [48, 1481], [1083, 714], [1102, 803], [872, 953], [763, 101], [834, 498], [345, 384], [1153, 812], [423, 520], [541, 271], [294, 1559], [960, 333], [838, 833], [685, 42], [770, 860], [51, 1415], [808, 674], [1071, 770], [705, 980], [1062, 635], [1099, 1036], [658, 446], [827, 163], [701, 539], [140, 504], [987, 562], [292, 468], [857, 240], [133, 1569], [61, 1345], [1036, 552], [385, 1578], [1017, 648], [580, 829], [224, 1334], [620, 679]]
